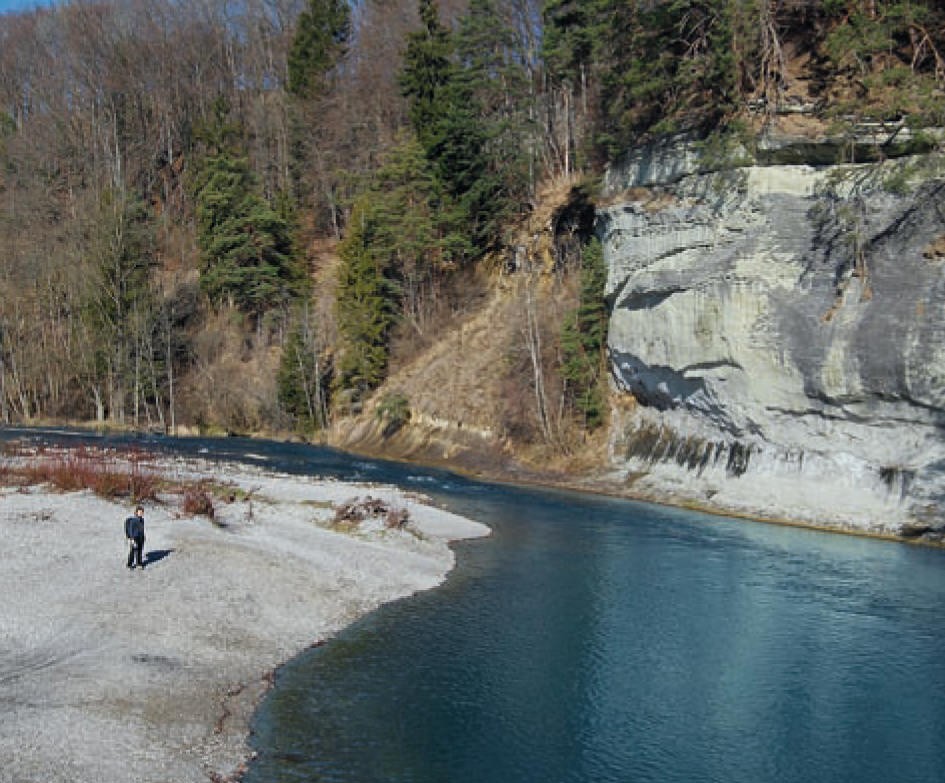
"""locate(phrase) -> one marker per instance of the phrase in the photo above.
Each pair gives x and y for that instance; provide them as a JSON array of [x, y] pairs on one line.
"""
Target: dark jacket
[[134, 527]]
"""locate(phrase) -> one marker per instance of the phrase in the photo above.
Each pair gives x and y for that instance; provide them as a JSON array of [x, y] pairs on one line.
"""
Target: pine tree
[[412, 227], [887, 57], [401, 238], [247, 254], [120, 301], [304, 374], [492, 67], [320, 41], [426, 72], [570, 38], [365, 304], [669, 66], [446, 115], [583, 336]]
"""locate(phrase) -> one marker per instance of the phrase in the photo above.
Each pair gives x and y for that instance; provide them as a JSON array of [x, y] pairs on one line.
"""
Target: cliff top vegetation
[[246, 216]]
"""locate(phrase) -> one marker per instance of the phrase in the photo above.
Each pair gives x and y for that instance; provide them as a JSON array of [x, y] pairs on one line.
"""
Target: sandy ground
[[110, 675]]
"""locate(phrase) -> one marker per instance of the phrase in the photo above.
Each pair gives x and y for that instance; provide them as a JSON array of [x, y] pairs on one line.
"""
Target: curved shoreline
[[609, 488], [108, 675], [524, 476], [73, 648]]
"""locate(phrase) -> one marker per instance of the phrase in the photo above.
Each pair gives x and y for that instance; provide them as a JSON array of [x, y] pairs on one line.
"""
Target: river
[[594, 639]]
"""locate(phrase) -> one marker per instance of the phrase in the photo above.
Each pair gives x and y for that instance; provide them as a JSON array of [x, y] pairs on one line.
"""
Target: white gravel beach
[[109, 675]]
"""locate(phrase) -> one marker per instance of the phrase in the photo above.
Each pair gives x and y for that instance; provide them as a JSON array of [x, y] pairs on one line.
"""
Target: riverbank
[[827, 503], [616, 484], [108, 674], [783, 506]]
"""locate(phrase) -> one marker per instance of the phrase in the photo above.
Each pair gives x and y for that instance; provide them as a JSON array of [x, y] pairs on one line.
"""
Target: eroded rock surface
[[782, 329]]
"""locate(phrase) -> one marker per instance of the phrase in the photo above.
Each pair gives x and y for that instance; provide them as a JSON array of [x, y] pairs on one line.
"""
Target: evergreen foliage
[[501, 97], [402, 236], [693, 65], [304, 375], [449, 82], [583, 336], [247, 254], [426, 73], [890, 50], [417, 228], [394, 412], [126, 256], [571, 38], [669, 66], [492, 69], [320, 40], [366, 301], [120, 304], [7, 129]]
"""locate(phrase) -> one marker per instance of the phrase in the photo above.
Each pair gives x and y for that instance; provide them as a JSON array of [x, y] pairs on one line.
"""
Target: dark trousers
[[136, 552]]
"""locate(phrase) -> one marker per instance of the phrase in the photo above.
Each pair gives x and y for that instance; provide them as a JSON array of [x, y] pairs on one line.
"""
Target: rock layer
[[781, 329]]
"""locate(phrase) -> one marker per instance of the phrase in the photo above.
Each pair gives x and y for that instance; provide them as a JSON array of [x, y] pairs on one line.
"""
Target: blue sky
[[19, 5]]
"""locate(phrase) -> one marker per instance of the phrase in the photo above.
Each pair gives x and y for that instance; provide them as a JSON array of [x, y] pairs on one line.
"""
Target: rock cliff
[[777, 334]]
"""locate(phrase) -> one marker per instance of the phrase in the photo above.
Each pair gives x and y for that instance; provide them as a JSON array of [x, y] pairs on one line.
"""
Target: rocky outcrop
[[780, 331]]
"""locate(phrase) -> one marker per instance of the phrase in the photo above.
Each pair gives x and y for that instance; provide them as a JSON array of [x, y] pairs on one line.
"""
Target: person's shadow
[[155, 555]]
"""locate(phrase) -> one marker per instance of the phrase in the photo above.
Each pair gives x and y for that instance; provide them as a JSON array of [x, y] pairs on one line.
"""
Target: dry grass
[[473, 386], [351, 514], [98, 471], [197, 499], [109, 474]]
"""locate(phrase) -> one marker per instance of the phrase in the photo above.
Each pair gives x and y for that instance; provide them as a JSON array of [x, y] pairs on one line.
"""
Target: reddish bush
[[397, 518], [198, 500], [356, 511], [93, 470], [144, 484]]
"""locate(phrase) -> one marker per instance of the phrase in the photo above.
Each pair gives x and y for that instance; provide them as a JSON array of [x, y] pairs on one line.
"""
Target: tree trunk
[[533, 343]]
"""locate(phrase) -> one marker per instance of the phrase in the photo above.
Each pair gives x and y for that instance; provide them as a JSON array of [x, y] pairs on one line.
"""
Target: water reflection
[[592, 639], [595, 640]]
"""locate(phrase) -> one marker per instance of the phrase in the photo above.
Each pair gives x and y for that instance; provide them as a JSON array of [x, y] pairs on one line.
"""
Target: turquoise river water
[[591, 639]]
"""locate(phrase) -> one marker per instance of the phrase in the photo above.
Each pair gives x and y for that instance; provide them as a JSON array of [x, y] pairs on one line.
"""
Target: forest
[[240, 215]]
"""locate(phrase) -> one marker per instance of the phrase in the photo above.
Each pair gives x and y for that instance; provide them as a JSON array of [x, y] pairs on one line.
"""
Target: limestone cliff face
[[781, 331]]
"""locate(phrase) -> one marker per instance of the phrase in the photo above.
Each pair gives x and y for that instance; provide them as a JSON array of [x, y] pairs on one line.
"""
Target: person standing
[[134, 532]]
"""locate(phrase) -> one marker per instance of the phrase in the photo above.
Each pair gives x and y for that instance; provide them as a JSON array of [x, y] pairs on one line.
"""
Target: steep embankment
[[776, 345], [472, 393], [781, 328], [454, 394]]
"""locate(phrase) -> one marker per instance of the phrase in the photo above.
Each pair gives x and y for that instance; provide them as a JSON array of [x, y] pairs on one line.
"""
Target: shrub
[[354, 512], [394, 409], [397, 518], [198, 500], [93, 470]]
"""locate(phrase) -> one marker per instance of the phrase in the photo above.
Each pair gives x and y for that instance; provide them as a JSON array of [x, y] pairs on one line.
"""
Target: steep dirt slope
[[454, 391], [469, 389]]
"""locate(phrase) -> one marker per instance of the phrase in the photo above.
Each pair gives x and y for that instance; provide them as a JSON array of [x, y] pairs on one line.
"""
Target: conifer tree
[[401, 238], [491, 66], [247, 254], [570, 34], [119, 302], [413, 230], [669, 66], [426, 73], [320, 40], [365, 304], [446, 115], [304, 374], [583, 336]]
